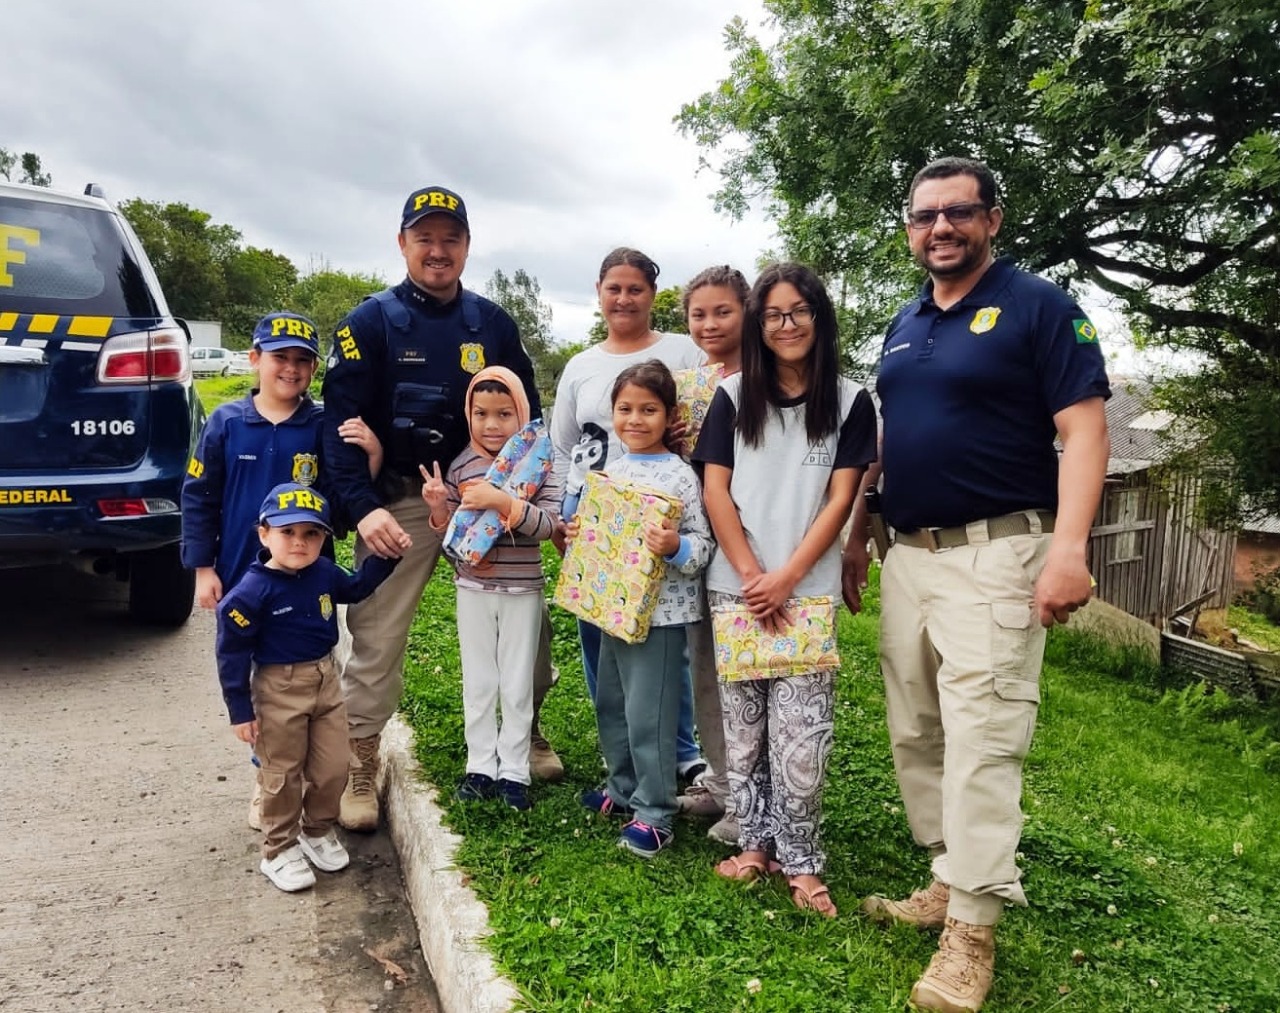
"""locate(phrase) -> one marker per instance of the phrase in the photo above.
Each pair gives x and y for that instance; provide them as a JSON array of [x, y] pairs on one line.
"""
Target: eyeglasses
[[773, 320], [957, 214]]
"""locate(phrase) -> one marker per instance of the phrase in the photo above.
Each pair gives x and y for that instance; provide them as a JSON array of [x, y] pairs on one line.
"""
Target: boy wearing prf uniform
[[269, 436], [276, 632]]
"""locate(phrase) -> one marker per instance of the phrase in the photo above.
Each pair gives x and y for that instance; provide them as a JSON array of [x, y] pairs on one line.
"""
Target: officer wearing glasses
[[978, 374]]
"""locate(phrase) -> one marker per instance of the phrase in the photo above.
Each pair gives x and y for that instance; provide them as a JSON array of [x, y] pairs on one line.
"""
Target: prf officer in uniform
[[977, 375], [401, 360]]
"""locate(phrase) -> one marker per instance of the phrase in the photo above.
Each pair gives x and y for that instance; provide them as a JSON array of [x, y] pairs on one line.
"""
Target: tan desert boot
[[544, 764], [925, 909], [358, 809], [959, 975]]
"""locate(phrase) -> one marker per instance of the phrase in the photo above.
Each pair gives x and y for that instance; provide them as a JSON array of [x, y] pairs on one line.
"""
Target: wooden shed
[[1148, 551]]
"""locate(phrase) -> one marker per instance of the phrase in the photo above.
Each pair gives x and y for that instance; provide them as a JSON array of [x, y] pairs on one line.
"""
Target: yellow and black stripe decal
[[36, 330]]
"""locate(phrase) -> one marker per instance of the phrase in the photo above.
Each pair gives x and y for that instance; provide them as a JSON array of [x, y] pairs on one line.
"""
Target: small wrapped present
[[608, 576], [746, 650], [520, 469], [694, 390]]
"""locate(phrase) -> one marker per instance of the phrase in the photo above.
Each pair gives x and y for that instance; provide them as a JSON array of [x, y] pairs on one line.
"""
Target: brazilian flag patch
[[1086, 333]]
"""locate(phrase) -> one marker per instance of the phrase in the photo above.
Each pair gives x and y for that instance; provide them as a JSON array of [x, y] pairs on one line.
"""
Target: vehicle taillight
[[136, 507], [144, 357]]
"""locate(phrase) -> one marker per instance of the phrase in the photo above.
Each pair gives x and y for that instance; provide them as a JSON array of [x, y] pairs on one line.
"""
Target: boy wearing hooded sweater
[[500, 599]]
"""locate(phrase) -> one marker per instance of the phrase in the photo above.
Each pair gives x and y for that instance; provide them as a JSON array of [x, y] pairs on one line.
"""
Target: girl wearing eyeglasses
[[784, 446]]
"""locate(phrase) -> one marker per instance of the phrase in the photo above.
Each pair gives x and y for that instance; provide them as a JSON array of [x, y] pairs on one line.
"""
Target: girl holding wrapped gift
[[638, 685], [789, 422], [582, 424], [500, 598], [715, 308]]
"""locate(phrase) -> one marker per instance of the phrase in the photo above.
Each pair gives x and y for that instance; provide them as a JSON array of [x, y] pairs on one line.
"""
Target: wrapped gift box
[[746, 650], [694, 390], [608, 576], [520, 469]]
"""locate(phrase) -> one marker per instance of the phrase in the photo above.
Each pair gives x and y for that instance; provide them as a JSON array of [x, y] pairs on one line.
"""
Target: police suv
[[98, 416]]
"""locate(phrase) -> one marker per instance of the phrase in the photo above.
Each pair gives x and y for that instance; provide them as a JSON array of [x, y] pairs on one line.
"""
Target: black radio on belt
[[421, 419]]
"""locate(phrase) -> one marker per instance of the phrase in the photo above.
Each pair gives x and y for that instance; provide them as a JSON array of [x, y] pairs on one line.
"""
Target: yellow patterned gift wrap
[[608, 576], [745, 650], [694, 390]]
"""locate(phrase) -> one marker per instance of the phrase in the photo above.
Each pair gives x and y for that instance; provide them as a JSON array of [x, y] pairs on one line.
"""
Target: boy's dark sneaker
[[598, 800], [475, 788], [644, 840], [688, 773], [514, 794]]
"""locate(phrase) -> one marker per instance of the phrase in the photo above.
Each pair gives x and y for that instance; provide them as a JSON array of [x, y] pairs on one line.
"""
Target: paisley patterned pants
[[778, 735]]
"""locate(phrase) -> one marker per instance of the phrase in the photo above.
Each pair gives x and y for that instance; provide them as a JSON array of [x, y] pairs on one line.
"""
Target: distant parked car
[[98, 416], [211, 361], [239, 365]]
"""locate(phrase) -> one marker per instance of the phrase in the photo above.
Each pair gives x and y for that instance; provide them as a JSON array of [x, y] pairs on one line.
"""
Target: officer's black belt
[[1005, 526]]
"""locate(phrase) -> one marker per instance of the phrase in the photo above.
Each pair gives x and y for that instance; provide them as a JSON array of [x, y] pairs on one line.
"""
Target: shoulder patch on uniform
[[984, 320], [1086, 333]]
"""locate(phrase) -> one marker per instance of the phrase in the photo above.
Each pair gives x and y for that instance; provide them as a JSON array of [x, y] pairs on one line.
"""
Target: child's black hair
[[760, 392], [651, 375]]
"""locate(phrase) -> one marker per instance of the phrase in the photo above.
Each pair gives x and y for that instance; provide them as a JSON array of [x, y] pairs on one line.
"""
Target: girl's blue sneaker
[[644, 840], [599, 801]]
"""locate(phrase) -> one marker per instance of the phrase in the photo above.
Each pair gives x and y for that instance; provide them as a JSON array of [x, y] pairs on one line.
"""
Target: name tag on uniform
[[410, 357]]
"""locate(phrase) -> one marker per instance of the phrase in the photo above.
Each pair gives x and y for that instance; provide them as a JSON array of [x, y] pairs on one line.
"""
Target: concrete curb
[[451, 921]]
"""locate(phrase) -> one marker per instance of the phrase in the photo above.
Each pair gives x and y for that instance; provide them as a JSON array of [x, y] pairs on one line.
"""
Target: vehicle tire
[[161, 590], [226, 370]]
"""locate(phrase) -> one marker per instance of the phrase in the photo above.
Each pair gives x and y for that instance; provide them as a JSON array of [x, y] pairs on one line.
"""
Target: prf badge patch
[[472, 357], [1086, 333], [305, 468], [984, 319], [326, 607]]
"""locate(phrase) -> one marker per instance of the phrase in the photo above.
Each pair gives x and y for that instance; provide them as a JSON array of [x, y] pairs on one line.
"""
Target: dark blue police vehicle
[[98, 416]]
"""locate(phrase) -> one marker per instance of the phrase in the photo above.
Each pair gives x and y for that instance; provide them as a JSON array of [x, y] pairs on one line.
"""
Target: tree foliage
[[325, 296], [32, 171], [1137, 143], [521, 296]]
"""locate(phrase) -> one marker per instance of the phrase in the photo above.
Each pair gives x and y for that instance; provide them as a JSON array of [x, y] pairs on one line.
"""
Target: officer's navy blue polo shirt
[[968, 396]]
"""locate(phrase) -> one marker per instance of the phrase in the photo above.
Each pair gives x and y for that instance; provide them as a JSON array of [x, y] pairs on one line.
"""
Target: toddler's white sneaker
[[326, 853], [289, 870]]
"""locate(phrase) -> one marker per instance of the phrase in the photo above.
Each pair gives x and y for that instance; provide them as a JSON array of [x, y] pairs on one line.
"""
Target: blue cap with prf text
[[291, 503], [433, 200], [286, 330]]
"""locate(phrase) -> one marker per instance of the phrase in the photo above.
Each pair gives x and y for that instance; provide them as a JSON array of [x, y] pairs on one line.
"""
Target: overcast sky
[[305, 124]]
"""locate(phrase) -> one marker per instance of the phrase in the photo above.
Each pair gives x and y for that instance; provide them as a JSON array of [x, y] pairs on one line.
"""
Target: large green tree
[[1137, 143], [326, 296], [521, 296], [189, 253], [32, 171]]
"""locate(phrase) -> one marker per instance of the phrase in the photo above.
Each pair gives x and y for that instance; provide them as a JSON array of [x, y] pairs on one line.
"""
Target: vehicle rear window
[[57, 258]]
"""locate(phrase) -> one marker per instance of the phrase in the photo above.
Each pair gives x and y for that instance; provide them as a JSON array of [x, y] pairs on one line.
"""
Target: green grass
[[1149, 855], [214, 390], [1252, 626]]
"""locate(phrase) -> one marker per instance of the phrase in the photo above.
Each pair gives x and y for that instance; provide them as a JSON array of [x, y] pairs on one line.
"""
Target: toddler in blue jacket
[[248, 446], [276, 632]]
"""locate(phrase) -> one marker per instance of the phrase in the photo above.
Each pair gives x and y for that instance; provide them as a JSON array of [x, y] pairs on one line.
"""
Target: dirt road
[[128, 877]]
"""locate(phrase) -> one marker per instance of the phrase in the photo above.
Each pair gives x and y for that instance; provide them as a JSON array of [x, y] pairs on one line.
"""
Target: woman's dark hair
[[760, 391], [651, 375], [721, 275], [625, 256]]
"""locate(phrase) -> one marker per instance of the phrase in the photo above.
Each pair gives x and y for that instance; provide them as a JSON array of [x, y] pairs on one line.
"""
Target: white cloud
[[306, 124]]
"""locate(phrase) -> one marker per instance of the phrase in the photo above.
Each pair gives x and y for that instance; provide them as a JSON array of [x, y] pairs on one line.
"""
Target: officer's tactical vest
[[423, 415]]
